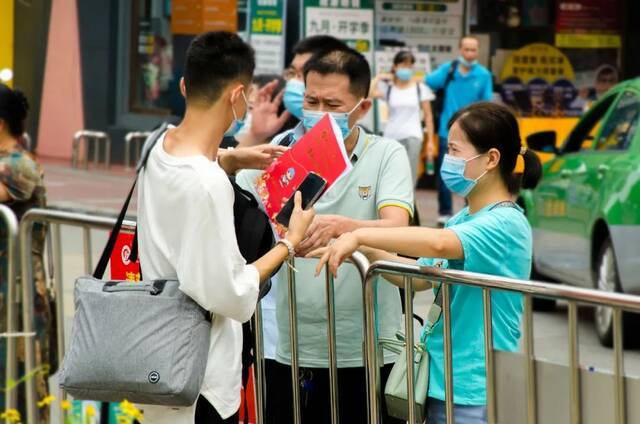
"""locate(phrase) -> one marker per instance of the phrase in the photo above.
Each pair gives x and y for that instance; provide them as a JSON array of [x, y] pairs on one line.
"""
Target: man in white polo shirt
[[378, 192]]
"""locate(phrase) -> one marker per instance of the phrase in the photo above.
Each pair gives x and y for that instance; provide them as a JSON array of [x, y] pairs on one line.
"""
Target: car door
[[598, 172], [555, 229]]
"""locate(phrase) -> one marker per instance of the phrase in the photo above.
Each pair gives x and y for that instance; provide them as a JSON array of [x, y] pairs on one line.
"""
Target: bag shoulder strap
[[389, 87], [101, 267], [450, 74]]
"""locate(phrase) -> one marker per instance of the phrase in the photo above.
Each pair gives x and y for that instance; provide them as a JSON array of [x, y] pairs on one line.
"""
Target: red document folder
[[321, 150]]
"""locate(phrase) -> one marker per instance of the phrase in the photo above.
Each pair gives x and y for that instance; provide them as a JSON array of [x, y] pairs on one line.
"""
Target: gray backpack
[[146, 342]]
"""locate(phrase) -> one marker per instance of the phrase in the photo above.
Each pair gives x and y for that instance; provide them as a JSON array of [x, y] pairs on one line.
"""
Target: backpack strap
[[99, 271], [450, 73], [389, 87]]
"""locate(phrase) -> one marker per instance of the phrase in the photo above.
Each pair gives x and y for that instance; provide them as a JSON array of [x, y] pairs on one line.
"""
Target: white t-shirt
[[186, 230], [405, 110]]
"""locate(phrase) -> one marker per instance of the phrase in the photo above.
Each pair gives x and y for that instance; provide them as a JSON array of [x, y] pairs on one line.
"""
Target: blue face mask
[[311, 117], [293, 97], [404, 74], [237, 124], [466, 63], [452, 174]]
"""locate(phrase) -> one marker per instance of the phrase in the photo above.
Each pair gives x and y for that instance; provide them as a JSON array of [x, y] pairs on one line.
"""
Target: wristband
[[286, 243]]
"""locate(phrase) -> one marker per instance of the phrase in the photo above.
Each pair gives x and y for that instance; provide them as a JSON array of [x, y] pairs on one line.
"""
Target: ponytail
[[526, 176]]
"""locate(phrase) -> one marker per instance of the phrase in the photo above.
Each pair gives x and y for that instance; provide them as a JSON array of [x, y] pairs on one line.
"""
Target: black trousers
[[207, 414], [314, 395]]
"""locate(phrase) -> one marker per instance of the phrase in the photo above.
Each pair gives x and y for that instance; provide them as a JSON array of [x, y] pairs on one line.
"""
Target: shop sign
[[197, 16], [591, 24], [347, 20]]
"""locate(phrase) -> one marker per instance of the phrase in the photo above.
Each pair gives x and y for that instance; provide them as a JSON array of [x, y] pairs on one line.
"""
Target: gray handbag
[[146, 342], [395, 391]]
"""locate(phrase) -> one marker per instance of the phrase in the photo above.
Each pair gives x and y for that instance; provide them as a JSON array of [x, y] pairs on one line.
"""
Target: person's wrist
[[228, 161], [294, 239]]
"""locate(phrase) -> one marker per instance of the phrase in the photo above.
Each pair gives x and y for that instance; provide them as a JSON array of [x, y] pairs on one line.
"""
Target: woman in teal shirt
[[490, 236]]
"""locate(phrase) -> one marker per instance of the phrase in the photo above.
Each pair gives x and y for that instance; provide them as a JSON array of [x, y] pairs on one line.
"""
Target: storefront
[[550, 58]]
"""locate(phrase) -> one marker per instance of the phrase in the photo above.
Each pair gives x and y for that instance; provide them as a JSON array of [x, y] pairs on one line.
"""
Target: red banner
[[589, 16]]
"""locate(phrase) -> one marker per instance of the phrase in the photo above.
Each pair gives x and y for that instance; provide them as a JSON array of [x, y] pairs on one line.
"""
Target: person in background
[[490, 236], [409, 104], [377, 192], [22, 188], [469, 82], [254, 98]]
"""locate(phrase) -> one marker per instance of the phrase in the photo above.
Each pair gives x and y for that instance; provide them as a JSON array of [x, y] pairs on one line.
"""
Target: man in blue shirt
[[469, 83]]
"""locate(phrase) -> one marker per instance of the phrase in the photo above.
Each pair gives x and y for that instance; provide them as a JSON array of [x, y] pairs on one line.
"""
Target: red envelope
[[321, 150]]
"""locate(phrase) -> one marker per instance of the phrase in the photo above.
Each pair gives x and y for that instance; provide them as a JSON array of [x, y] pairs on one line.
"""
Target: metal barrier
[[137, 137], [94, 139], [55, 218], [11, 225], [572, 295], [361, 263], [367, 273]]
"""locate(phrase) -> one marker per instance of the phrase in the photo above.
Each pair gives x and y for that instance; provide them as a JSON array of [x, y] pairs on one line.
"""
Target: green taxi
[[585, 213]]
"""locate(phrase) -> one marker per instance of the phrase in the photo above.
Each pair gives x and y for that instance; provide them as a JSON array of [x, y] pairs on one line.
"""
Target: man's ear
[[236, 93], [183, 88], [364, 108]]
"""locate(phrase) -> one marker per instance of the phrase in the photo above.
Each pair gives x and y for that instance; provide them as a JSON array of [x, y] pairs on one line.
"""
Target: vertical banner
[[267, 29], [434, 27], [347, 20]]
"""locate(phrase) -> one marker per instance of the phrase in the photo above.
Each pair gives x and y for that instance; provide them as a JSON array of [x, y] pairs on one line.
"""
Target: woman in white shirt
[[409, 105]]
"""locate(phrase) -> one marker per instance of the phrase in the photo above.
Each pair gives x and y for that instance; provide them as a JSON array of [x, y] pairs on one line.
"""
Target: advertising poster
[[432, 27], [539, 80], [267, 29]]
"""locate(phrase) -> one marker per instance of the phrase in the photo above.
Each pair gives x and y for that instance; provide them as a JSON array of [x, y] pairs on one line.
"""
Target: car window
[[583, 135], [619, 129]]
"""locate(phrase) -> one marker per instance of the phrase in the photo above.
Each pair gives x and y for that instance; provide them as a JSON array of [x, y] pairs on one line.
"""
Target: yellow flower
[[130, 410], [11, 415], [46, 401], [123, 420], [90, 411], [65, 405]]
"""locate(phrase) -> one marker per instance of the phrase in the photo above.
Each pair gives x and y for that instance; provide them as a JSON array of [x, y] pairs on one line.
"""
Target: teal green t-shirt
[[497, 242]]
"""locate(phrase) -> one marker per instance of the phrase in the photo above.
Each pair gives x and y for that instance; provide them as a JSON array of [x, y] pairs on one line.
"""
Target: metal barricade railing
[[95, 139], [572, 295], [54, 218], [361, 264], [137, 138], [11, 366]]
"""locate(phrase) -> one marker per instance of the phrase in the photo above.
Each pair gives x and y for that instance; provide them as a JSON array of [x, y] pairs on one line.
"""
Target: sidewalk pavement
[[99, 191]]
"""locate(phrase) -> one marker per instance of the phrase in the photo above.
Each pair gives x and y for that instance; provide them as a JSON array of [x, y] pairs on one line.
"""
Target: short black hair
[[492, 126], [347, 62], [317, 44], [403, 56], [215, 59], [13, 109]]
